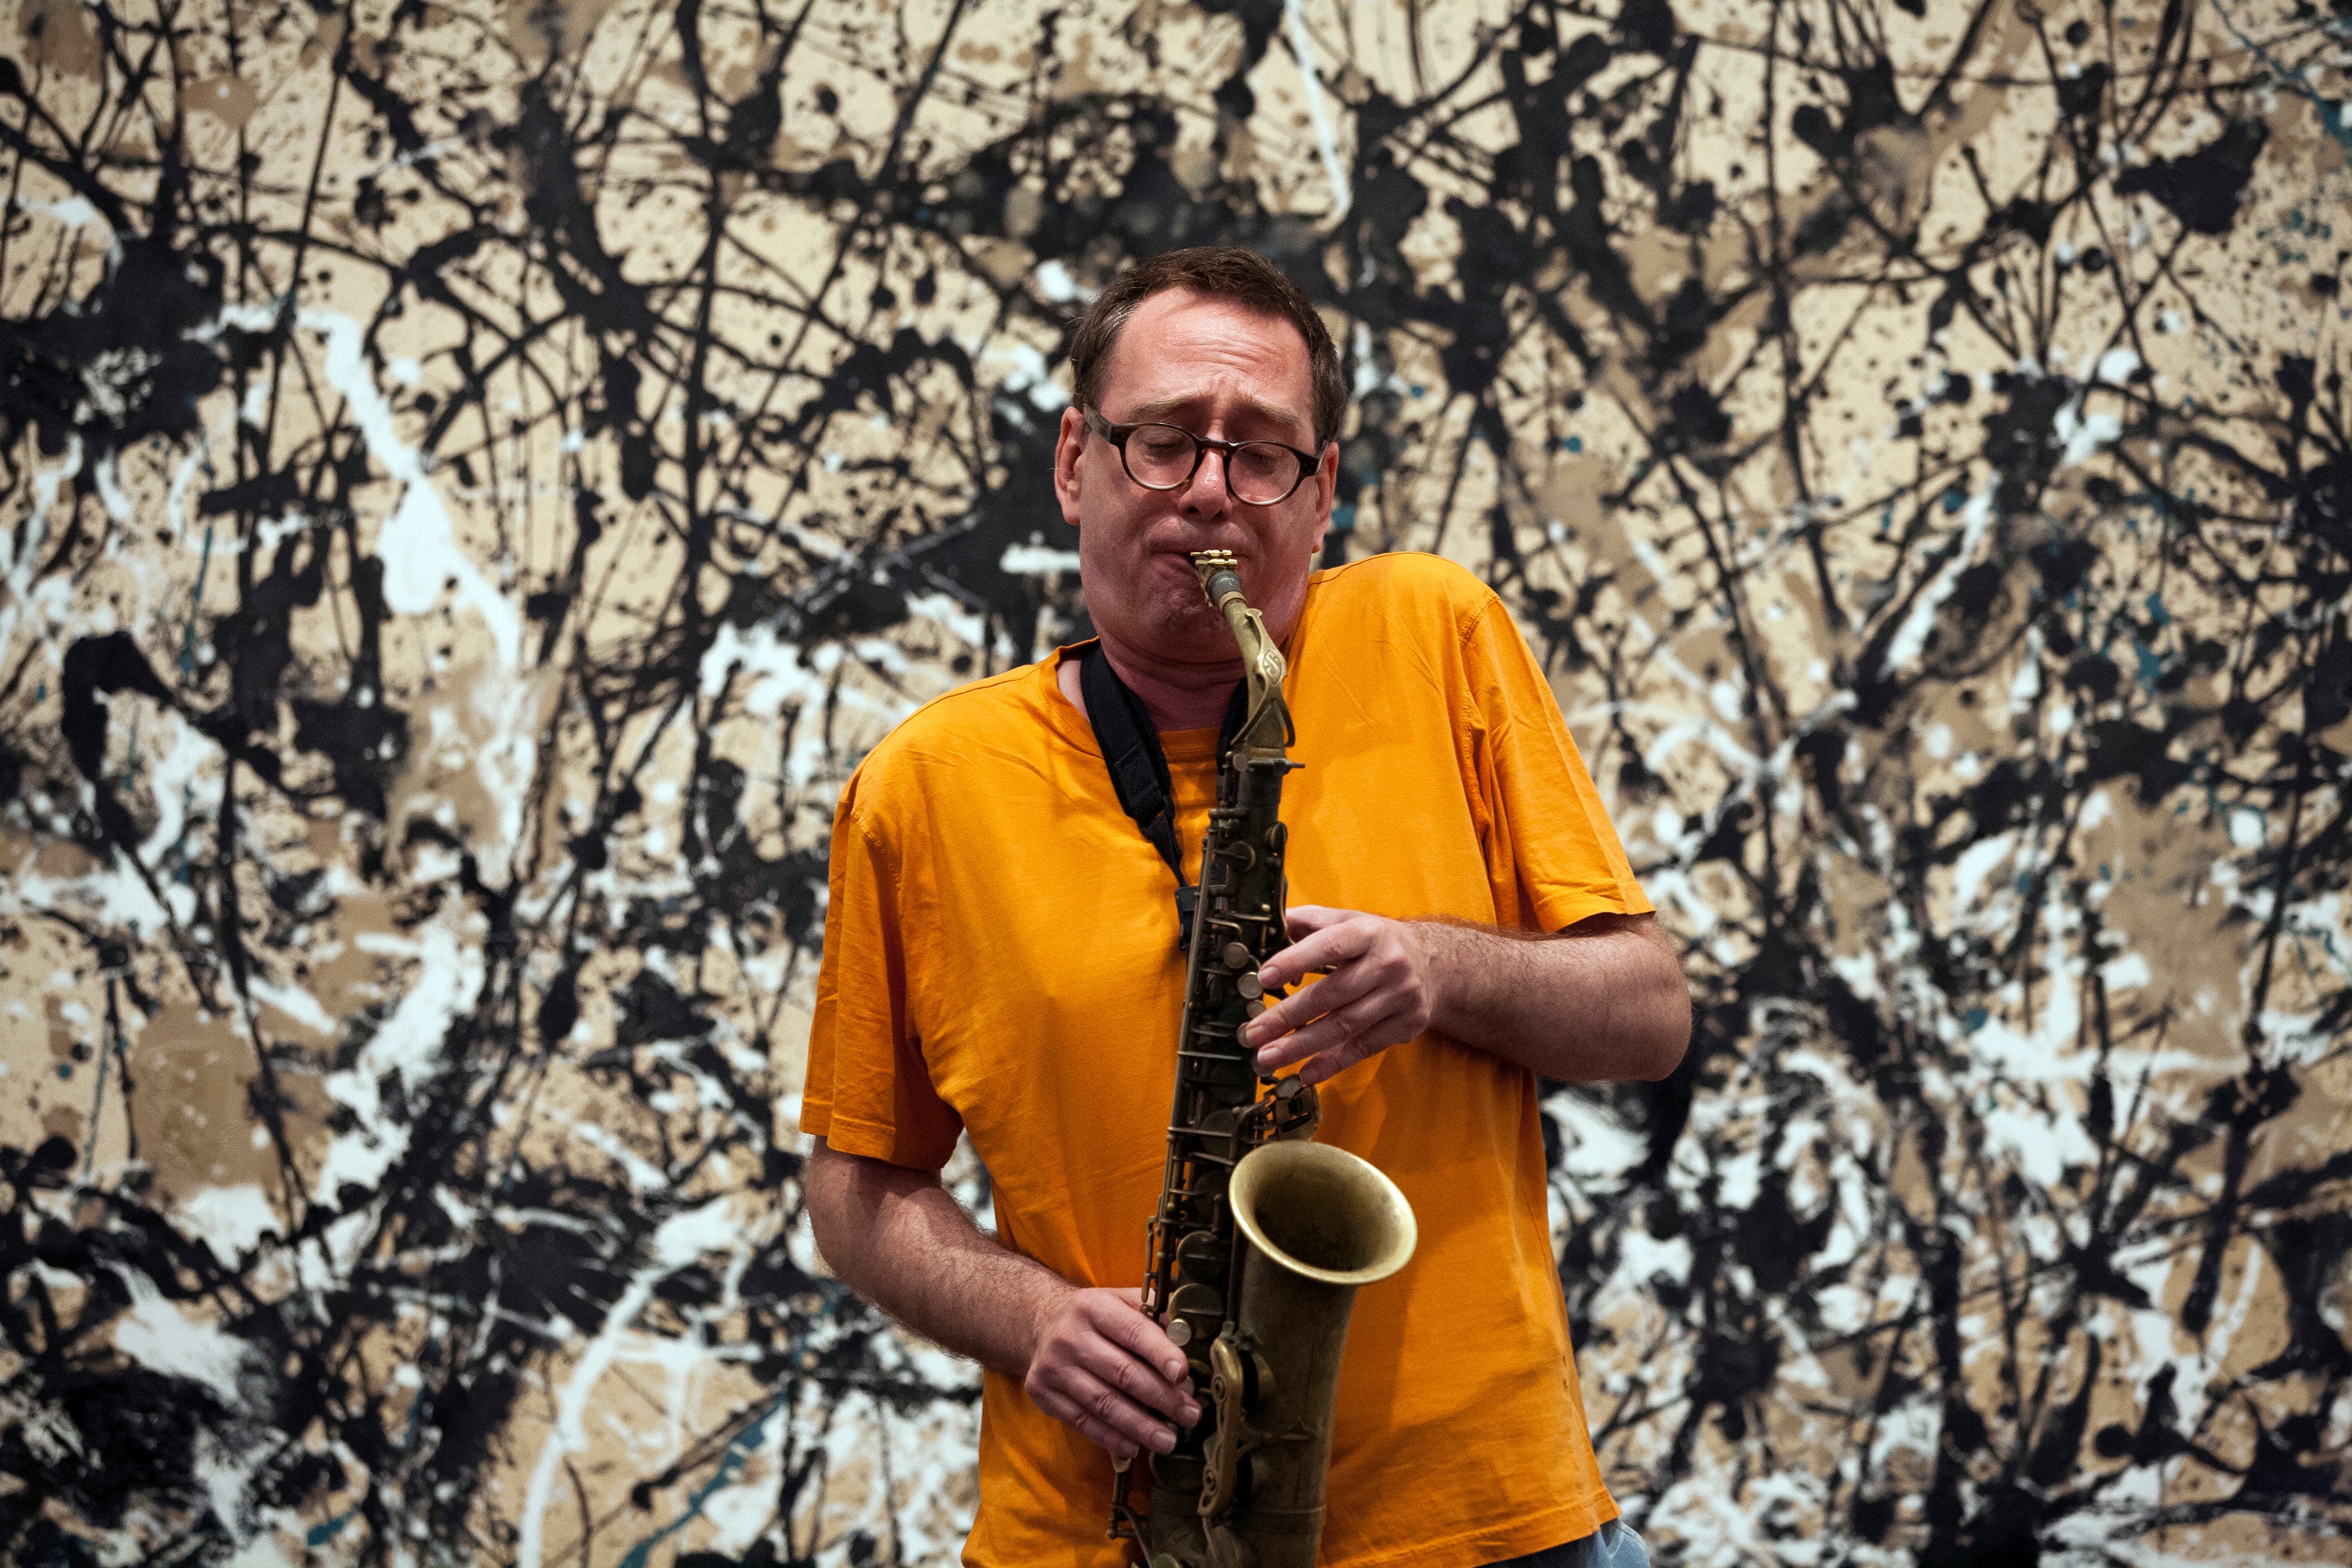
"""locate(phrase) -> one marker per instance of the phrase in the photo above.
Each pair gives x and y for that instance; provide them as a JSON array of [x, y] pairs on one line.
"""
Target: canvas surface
[[474, 477]]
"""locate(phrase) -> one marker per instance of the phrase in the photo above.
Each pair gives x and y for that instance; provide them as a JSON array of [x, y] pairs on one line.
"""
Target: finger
[[1344, 984], [1047, 1395], [1106, 1416], [1326, 937], [1278, 1046], [1302, 919], [1144, 1339], [1331, 1031], [1323, 953], [1136, 1380], [1107, 1439], [1321, 1068]]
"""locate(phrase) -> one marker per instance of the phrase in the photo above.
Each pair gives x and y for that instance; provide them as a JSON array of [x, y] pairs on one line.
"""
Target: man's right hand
[[1107, 1372]]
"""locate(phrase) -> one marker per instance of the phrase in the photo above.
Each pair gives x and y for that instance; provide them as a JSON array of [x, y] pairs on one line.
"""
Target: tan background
[[477, 477]]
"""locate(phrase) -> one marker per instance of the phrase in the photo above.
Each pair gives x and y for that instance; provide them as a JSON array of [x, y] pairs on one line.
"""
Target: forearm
[[897, 1239], [1604, 1001]]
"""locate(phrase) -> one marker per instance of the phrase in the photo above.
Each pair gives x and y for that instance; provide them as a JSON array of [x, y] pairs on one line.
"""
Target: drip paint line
[[681, 1239], [25, 544], [730, 1467], [1294, 16], [196, 606], [2332, 117], [418, 544]]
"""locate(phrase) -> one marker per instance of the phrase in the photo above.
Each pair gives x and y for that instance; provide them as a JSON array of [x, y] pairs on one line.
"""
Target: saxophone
[[1261, 1238]]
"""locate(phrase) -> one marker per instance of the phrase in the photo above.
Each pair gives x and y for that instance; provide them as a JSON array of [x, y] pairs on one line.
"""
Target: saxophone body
[[1261, 1238]]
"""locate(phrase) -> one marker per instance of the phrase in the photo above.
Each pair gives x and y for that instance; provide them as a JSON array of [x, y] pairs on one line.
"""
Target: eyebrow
[[1249, 409]]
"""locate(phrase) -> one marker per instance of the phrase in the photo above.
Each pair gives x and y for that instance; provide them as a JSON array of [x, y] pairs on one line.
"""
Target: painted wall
[[475, 477]]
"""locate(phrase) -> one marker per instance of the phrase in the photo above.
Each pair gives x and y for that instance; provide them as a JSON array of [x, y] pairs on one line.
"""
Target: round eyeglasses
[[1165, 457]]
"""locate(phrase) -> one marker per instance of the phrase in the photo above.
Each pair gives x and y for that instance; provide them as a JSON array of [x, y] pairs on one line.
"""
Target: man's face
[[1213, 368]]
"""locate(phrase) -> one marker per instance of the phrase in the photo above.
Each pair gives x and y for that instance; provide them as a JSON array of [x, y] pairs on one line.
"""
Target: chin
[[1189, 628]]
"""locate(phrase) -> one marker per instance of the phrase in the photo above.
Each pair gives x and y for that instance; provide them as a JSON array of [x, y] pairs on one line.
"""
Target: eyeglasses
[[1166, 456]]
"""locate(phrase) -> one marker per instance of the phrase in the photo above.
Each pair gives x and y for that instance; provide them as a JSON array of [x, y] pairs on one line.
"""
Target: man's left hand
[[1378, 989]]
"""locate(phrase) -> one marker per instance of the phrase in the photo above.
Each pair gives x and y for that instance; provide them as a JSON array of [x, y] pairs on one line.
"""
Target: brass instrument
[[1261, 1238]]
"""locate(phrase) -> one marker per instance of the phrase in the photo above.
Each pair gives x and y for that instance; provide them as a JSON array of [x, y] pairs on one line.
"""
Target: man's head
[[1216, 343], [1213, 272]]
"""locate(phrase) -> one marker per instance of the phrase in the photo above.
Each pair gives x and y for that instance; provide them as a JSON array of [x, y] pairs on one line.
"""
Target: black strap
[[1139, 768]]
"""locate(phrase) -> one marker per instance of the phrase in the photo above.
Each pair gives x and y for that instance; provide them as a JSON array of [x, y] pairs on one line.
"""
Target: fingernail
[[1175, 1369], [1164, 1441], [1265, 1059], [1191, 1413]]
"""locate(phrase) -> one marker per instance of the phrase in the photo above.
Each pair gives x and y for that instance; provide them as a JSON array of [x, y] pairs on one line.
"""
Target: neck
[[1177, 696]]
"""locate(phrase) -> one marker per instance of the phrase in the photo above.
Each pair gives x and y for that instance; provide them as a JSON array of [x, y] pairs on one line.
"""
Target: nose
[[1205, 495]]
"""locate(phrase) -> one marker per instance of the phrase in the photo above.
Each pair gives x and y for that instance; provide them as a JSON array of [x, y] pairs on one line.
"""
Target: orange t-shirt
[[1000, 957]]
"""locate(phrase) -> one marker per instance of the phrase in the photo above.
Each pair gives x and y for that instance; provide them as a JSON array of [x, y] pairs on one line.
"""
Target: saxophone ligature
[[1261, 1238]]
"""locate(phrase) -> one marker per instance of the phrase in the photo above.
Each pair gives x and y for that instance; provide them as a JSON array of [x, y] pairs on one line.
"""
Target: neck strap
[[1139, 767]]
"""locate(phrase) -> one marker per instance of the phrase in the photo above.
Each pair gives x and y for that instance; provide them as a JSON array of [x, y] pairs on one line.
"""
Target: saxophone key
[[1201, 1308], [1198, 1256], [1177, 1472]]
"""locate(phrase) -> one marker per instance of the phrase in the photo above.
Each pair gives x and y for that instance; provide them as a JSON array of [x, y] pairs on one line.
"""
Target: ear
[[1327, 491], [1068, 442]]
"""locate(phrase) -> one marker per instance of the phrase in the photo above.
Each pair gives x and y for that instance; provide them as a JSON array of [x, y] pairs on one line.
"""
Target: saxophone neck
[[1267, 730]]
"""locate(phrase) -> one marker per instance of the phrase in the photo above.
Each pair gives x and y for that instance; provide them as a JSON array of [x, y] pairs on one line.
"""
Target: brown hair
[[1218, 272]]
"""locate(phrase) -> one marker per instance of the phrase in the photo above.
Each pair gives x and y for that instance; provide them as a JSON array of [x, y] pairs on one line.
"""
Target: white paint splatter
[[1036, 560], [417, 544], [230, 1220], [408, 1045], [681, 1239], [2084, 434], [1975, 519], [157, 1335], [1294, 16]]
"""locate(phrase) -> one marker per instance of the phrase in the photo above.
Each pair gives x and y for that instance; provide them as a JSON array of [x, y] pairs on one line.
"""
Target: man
[[1000, 959]]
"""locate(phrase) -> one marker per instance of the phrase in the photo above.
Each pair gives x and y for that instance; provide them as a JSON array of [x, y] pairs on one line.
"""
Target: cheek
[[1299, 533]]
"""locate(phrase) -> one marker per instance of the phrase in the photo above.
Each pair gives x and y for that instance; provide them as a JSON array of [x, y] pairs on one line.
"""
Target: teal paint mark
[[196, 606], [2156, 612], [98, 1095], [2331, 115], [1573, 444], [730, 1466], [325, 1531]]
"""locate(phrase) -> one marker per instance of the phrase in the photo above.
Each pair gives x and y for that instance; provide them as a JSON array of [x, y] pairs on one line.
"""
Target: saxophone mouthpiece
[[1220, 573]]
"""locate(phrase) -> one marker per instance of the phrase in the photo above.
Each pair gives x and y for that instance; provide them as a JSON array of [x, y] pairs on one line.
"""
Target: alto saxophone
[[1261, 1237]]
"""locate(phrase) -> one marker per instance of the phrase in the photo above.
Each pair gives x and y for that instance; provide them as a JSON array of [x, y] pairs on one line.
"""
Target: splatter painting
[[476, 476]]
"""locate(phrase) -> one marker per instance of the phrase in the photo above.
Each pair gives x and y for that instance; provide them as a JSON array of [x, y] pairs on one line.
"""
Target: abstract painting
[[477, 475]]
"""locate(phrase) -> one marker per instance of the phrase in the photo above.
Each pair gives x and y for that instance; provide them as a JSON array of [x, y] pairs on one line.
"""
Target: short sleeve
[[1551, 853], [869, 1089]]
